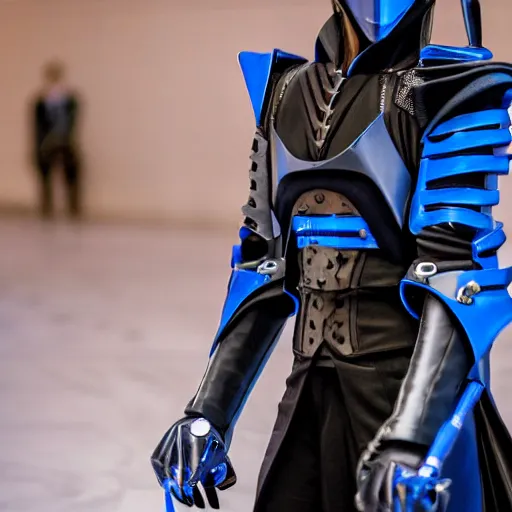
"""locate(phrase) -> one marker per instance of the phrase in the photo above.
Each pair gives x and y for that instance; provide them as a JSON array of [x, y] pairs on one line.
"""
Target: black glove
[[376, 473], [192, 454]]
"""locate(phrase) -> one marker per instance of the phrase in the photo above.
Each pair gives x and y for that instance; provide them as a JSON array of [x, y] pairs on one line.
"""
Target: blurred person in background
[[54, 118]]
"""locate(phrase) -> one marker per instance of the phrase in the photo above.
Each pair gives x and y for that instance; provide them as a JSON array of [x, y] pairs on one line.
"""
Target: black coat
[[54, 131]]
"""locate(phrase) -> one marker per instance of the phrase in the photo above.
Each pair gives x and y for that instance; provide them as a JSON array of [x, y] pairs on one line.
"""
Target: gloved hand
[[376, 473], [193, 454]]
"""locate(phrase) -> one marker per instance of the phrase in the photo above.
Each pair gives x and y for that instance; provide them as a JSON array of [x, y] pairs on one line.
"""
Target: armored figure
[[374, 172]]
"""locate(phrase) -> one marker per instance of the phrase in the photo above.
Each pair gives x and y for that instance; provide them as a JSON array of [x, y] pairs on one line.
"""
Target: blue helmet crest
[[377, 18]]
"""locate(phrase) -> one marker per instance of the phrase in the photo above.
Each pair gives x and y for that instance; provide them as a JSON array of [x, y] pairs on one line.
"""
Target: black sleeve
[[238, 361], [439, 366]]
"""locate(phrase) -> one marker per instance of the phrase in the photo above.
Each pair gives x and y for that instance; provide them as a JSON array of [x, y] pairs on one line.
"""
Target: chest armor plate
[[373, 154]]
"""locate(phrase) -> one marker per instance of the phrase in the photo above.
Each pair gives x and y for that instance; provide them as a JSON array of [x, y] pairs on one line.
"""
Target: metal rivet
[[466, 293], [425, 269], [268, 267], [363, 233], [200, 427], [319, 198]]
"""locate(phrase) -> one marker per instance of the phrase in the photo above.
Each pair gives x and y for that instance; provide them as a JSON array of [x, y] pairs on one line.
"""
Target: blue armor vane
[[473, 22]]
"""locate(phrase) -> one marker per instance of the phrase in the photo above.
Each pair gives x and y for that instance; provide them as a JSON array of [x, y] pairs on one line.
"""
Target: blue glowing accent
[[456, 442], [479, 132], [438, 53], [337, 231], [377, 18], [242, 284], [486, 317], [257, 70]]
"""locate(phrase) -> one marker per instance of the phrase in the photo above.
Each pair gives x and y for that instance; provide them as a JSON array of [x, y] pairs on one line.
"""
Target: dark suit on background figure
[[54, 118]]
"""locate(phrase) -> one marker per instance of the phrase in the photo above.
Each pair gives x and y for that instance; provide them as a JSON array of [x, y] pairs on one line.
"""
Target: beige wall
[[167, 123]]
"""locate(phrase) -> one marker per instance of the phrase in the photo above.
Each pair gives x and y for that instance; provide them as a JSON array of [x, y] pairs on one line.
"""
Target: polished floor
[[105, 332]]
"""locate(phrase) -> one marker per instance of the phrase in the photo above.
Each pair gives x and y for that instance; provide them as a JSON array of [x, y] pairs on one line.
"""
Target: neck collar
[[399, 50]]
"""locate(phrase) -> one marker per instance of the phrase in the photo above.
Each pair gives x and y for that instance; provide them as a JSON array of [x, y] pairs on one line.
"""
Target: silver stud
[[425, 269], [268, 267], [200, 427], [466, 293]]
